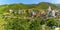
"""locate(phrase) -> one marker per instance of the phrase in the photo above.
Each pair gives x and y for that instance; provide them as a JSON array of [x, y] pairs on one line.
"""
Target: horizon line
[[26, 3]]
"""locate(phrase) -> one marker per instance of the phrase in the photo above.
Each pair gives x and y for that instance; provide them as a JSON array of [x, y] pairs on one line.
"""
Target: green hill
[[45, 5], [58, 5], [42, 5]]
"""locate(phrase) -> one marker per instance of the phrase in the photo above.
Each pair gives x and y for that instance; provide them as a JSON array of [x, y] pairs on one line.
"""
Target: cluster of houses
[[38, 13]]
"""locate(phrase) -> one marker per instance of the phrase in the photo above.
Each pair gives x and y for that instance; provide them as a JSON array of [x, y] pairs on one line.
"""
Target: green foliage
[[26, 24], [2, 24], [17, 24], [35, 25], [22, 24], [49, 22], [45, 5], [52, 22], [43, 21]]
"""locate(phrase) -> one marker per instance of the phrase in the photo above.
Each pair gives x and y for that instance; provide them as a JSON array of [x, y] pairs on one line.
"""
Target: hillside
[[42, 5], [27, 21], [45, 5], [58, 5]]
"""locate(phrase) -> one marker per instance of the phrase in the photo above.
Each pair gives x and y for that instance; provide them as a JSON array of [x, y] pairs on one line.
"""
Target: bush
[[35, 25], [22, 24], [17, 24], [52, 22]]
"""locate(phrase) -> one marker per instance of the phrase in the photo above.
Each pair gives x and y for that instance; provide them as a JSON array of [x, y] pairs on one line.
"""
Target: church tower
[[49, 8], [51, 12]]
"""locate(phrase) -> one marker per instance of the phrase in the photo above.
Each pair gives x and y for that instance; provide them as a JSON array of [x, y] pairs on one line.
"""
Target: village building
[[33, 13], [11, 11], [49, 9], [38, 13], [30, 12], [19, 11], [50, 12], [42, 14], [57, 13]]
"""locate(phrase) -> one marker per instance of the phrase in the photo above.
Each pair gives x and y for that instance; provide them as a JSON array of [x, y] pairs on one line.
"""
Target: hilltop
[[45, 5]]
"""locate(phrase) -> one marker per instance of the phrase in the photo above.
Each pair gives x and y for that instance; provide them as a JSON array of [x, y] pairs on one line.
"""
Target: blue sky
[[27, 1]]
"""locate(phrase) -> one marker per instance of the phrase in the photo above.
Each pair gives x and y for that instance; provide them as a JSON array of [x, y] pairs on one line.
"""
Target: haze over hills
[[42, 6], [58, 5]]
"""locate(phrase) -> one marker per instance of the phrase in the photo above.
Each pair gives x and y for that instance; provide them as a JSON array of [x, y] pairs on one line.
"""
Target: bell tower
[[49, 8]]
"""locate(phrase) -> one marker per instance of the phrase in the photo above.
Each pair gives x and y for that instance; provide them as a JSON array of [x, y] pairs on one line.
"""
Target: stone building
[[50, 12], [11, 11], [57, 13], [19, 11], [43, 14], [33, 14], [38, 13]]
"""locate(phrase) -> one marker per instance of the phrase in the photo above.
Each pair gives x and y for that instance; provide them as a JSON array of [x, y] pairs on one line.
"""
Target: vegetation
[[25, 23], [49, 22], [41, 6]]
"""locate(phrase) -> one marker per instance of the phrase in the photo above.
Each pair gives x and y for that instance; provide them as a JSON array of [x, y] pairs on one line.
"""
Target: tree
[[52, 22], [35, 25], [17, 24]]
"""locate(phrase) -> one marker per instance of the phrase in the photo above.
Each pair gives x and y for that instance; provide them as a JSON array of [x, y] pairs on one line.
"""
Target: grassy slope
[[42, 5]]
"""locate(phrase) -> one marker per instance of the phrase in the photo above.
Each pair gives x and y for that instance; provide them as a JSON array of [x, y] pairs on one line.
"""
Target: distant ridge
[[42, 6]]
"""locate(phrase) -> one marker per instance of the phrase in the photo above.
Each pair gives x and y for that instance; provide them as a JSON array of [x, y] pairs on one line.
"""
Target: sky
[[28, 1]]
